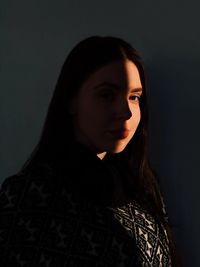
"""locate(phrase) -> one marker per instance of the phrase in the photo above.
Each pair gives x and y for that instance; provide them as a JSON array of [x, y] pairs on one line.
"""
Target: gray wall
[[37, 35]]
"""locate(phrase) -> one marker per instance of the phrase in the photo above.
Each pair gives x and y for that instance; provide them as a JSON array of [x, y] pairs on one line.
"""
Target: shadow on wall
[[174, 146]]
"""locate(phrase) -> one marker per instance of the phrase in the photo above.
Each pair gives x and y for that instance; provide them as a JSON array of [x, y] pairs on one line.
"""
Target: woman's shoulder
[[19, 179], [32, 189]]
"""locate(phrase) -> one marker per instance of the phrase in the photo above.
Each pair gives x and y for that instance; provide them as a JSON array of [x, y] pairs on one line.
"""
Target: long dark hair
[[83, 60]]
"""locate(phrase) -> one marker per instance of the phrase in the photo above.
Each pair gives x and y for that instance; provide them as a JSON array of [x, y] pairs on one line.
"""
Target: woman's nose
[[123, 111]]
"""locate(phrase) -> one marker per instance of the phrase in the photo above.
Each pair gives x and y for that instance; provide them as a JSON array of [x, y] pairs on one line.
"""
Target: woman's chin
[[117, 148]]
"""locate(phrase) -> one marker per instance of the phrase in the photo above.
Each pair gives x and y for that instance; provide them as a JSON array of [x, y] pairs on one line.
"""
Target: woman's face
[[106, 109]]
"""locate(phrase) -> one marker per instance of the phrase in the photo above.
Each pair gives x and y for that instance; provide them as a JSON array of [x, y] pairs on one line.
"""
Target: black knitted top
[[59, 216]]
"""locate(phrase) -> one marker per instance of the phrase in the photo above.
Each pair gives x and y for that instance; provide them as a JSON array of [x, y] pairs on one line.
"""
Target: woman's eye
[[135, 98], [107, 95]]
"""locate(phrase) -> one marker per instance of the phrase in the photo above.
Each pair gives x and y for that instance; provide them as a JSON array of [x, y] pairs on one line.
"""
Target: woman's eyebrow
[[114, 85], [108, 84], [137, 90]]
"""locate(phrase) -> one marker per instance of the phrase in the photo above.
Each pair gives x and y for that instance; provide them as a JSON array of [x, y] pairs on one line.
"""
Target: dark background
[[36, 36]]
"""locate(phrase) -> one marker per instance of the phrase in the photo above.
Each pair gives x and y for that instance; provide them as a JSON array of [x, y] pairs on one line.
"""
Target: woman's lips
[[120, 134]]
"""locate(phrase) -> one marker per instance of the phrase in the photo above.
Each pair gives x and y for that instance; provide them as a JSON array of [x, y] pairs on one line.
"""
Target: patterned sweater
[[53, 219]]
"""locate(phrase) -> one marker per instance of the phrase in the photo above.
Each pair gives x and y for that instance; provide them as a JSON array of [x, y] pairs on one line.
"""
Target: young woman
[[88, 195]]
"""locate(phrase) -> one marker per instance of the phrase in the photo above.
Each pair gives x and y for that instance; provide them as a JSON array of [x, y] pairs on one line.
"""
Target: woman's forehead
[[116, 74]]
